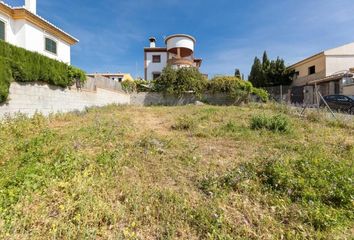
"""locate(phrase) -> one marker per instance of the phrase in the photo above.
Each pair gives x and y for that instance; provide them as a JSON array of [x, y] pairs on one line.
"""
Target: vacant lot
[[252, 172]]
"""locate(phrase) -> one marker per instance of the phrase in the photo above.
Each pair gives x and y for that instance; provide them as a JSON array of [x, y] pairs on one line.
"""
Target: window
[[51, 45], [2, 30], [342, 99], [156, 75], [156, 58], [296, 74], [312, 70]]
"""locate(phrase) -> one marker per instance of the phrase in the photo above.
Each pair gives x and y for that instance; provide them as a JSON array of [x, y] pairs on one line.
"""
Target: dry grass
[[135, 173]]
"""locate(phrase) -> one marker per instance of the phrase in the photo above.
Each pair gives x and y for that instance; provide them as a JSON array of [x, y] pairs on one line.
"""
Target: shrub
[[129, 86], [142, 85], [237, 89], [261, 93], [277, 123], [185, 123], [5, 78], [27, 66], [180, 81]]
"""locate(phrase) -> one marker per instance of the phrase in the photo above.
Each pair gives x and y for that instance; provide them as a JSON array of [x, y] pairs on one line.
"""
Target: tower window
[[156, 58]]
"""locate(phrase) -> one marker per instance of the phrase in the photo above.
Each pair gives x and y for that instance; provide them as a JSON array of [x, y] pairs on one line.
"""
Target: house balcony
[[181, 61]]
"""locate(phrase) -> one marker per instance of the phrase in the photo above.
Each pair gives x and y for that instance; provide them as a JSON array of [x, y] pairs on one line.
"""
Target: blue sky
[[229, 33]]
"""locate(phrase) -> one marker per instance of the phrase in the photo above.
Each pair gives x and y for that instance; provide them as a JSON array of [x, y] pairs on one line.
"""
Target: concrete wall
[[147, 99], [101, 82], [28, 98]]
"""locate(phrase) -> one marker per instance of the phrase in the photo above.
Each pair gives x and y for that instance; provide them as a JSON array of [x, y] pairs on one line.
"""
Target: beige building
[[330, 71]]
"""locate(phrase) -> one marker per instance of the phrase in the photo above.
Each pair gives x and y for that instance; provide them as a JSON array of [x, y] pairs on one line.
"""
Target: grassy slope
[[163, 173]]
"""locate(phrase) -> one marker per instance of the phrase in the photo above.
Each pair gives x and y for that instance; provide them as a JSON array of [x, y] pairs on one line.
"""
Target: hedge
[[236, 88], [18, 64]]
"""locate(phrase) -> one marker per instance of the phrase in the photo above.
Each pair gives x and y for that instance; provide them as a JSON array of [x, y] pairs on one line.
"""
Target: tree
[[269, 73], [256, 76]]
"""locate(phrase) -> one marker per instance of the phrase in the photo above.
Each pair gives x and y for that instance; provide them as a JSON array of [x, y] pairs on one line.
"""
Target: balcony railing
[[180, 61]]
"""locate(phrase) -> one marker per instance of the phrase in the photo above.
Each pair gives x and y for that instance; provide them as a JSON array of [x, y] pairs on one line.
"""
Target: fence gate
[[297, 95]]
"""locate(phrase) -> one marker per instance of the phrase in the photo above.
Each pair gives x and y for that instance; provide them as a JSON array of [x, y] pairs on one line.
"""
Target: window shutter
[[2, 30]]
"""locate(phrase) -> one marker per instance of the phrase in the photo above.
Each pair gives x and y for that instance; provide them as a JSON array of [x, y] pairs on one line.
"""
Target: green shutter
[[2, 30], [50, 45]]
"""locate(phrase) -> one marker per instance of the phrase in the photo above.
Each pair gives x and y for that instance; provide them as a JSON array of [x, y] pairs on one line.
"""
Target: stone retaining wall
[[28, 98], [147, 99]]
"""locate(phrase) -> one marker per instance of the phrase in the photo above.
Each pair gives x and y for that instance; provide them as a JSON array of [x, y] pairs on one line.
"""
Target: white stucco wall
[[335, 64], [35, 41], [26, 35], [155, 67], [180, 42]]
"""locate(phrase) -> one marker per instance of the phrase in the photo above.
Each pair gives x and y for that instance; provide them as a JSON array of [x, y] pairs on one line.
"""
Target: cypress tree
[[256, 75]]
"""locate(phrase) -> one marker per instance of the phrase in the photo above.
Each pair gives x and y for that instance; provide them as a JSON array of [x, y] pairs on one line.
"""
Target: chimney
[[31, 5], [152, 42]]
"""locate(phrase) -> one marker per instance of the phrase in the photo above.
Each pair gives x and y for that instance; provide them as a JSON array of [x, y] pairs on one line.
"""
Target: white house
[[21, 26], [178, 52]]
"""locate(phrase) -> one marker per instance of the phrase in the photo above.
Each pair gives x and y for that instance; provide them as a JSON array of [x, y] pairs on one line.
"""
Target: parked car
[[340, 103]]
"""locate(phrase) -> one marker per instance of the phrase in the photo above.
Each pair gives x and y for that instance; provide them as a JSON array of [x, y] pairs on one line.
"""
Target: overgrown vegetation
[[18, 64], [189, 80], [192, 172], [180, 81], [239, 90], [139, 85], [277, 123]]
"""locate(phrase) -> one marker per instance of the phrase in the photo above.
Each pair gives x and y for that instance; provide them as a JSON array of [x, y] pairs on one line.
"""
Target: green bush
[[261, 93], [180, 81], [277, 123], [237, 89], [5, 78], [185, 123], [27, 66], [129, 86], [142, 86]]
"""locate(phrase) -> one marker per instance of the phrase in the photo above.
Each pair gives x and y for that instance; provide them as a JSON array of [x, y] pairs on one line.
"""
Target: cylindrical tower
[[180, 42], [180, 49]]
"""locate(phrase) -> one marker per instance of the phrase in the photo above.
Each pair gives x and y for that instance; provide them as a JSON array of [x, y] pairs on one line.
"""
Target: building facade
[[22, 27], [177, 52], [117, 77], [329, 72]]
